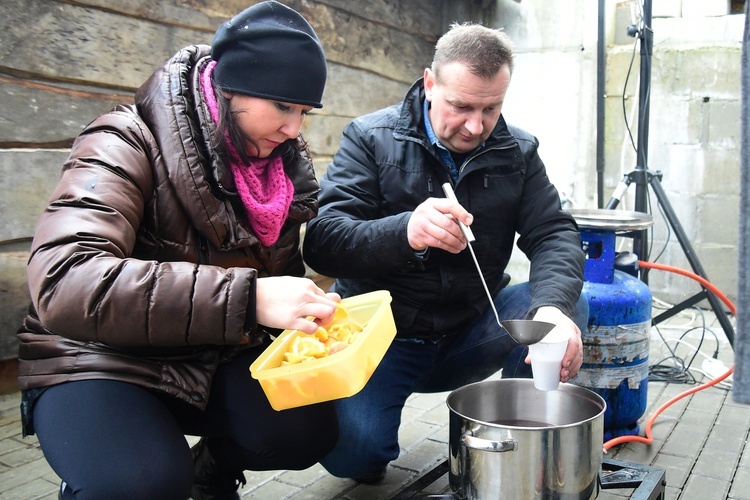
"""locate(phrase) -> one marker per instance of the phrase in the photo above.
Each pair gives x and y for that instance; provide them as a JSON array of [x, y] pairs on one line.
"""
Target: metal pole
[[600, 82], [641, 178]]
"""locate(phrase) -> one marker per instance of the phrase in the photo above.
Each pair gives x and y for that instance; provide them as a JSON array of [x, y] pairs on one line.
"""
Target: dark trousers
[[109, 439]]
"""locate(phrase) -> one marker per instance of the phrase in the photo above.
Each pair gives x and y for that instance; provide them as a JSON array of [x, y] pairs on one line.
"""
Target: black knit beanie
[[270, 51]]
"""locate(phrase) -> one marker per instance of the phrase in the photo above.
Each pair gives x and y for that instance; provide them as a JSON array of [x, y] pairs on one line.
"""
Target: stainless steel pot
[[509, 440]]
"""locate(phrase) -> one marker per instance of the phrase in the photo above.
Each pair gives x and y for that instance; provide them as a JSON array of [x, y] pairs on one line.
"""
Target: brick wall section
[[63, 63]]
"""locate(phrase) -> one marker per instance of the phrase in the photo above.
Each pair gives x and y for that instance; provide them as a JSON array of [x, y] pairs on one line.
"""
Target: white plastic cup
[[546, 360]]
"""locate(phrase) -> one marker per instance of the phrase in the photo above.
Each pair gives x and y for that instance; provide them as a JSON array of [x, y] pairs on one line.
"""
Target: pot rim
[[571, 389]]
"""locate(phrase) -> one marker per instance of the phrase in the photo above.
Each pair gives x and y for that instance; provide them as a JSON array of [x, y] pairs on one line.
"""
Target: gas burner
[[649, 482]]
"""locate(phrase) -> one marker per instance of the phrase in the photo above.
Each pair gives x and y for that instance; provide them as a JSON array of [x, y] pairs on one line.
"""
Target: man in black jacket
[[384, 223]]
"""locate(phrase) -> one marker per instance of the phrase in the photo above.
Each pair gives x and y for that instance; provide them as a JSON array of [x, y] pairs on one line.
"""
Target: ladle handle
[[451, 195]]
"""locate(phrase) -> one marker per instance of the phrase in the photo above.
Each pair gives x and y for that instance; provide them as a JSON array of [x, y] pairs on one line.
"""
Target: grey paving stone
[[324, 488], [440, 486], [411, 435], [637, 452], [12, 428], [438, 415], [663, 426], [717, 464], [423, 457], [302, 478], [23, 474], [708, 400], [689, 434], [741, 485], [428, 401], [272, 489], [614, 494], [10, 402], [734, 415], [745, 460], [33, 489], [672, 493], [394, 482], [727, 437], [255, 479], [317, 491], [677, 469], [676, 408], [705, 488], [9, 445], [410, 413]]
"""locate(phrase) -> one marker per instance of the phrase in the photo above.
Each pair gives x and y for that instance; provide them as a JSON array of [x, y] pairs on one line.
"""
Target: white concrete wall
[[693, 126], [693, 141], [552, 93]]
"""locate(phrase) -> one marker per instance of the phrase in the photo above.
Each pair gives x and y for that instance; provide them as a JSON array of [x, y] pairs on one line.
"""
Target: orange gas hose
[[650, 422]]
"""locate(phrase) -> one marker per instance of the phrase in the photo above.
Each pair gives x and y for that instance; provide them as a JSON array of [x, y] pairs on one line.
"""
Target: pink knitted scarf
[[264, 187]]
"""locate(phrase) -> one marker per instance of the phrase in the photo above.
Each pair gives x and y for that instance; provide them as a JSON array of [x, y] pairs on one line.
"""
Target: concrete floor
[[700, 441]]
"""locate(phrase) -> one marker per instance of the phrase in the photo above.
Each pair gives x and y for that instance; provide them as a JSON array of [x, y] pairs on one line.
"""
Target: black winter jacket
[[385, 167]]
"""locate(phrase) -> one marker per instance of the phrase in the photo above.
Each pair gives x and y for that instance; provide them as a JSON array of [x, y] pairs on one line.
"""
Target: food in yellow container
[[327, 340], [335, 375]]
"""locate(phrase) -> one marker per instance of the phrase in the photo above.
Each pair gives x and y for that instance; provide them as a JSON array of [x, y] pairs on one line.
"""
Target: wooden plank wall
[[62, 63]]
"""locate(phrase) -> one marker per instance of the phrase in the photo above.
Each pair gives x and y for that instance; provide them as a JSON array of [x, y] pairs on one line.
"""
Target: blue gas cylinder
[[616, 342]]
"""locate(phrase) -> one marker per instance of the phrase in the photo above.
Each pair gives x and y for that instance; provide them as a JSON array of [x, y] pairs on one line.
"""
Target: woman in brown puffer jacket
[[168, 250]]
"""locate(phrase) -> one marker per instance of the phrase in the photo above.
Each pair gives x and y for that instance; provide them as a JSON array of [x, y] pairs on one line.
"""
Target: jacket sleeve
[[350, 238], [548, 236], [85, 285]]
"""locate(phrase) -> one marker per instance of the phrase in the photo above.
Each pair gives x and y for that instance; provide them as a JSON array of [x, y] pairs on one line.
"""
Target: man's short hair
[[483, 50]]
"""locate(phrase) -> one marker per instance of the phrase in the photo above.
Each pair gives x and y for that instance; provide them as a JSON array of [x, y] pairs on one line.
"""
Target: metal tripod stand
[[644, 178]]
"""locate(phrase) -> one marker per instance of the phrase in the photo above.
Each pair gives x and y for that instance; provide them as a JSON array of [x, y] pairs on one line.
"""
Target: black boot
[[212, 481]]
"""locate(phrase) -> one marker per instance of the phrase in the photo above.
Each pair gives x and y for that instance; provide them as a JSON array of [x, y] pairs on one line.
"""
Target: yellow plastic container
[[338, 375]]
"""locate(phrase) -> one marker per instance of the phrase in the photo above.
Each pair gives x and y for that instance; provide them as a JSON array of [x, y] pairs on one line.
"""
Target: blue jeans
[[369, 420]]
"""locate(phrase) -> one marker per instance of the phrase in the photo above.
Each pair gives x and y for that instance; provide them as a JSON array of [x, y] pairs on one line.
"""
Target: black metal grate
[[648, 482]]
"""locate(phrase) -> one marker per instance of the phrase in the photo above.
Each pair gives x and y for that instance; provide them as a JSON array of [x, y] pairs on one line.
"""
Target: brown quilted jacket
[[143, 266]]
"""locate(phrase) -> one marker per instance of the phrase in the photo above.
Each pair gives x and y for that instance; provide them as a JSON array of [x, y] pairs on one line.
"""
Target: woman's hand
[[293, 303], [573, 358]]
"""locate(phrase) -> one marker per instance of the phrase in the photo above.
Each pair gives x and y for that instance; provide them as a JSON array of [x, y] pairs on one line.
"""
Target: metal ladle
[[523, 331], [527, 331]]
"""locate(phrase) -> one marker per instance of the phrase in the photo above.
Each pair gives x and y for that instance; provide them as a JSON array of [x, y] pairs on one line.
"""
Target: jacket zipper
[[454, 183], [484, 151], [202, 250]]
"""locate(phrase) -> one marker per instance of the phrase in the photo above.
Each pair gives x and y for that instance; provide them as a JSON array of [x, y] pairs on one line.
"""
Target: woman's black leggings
[[112, 440]]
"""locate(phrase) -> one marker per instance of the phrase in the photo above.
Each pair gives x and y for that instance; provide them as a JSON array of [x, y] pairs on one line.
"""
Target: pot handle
[[487, 445]]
